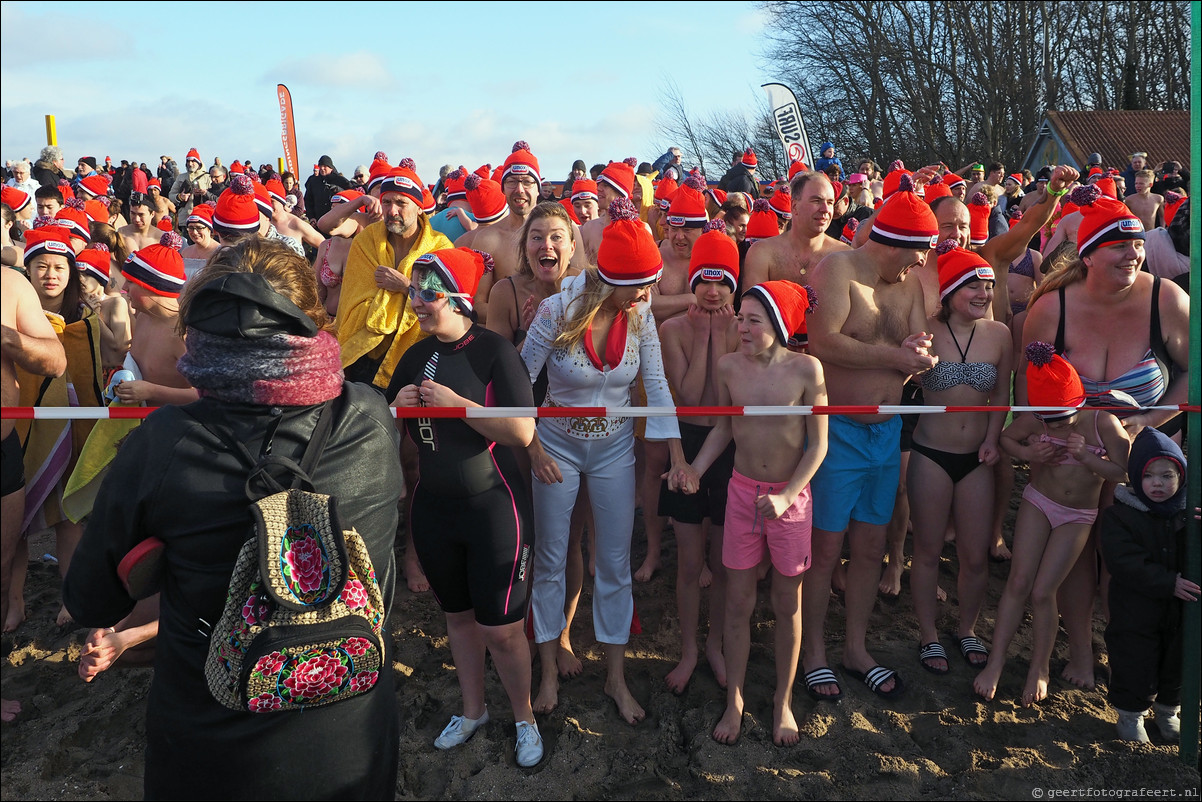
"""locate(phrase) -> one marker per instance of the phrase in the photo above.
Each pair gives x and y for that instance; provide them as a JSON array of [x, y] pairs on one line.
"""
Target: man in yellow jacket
[[375, 322]]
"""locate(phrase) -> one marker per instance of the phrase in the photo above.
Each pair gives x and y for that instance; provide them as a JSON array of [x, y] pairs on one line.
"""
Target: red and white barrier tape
[[126, 413]]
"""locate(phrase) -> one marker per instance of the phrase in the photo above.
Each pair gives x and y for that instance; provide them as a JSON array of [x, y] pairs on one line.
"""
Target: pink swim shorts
[[747, 535]]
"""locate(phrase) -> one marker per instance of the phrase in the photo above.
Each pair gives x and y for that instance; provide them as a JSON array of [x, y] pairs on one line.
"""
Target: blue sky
[[438, 82]]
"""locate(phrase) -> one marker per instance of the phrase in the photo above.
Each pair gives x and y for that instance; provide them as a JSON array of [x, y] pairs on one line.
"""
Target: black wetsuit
[[470, 519]]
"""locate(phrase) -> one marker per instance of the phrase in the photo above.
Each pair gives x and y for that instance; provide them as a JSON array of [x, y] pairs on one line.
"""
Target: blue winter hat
[[1151, 444]]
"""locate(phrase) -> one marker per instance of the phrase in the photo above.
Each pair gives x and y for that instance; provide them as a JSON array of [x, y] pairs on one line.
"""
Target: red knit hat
[[566, 203], [797, 167], [380, 168], [346, 196], [427, 204], [14, 198], [849, 230], [584, 189], [237, 169], [958, 266], [905, 221], [1052, 381], [620, 176], [664, 191], [202, 214], [193, 153], [275, 189], [96, 210], [893, 178], [978, 213], [936, 188], [53, 239], [787, 304], [763, 222], [782, 203], [718, 196], [236, 207], [1172, 202], [687, 209], [154, 183], [262, 197], [64, 189], [749, 161], [454, 184], [459, 270], [1108, 187], [95, 185], [73, 217], [954, 180], [1017, 178], [521, 162], [94, 261], [715, 257], [484, 171], [164, 224], [628, 255], [403, 179], [486, 199], [1104, 220], [160, 268]]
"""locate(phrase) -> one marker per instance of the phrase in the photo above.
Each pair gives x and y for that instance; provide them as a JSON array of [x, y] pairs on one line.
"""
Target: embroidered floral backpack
[[303, 621]]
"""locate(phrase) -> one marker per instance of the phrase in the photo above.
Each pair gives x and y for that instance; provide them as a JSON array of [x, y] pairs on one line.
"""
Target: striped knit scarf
[[280, 370]]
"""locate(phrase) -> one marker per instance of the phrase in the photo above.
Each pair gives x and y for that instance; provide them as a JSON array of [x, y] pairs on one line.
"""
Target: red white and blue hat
[[584, 189], [459, 270], [403, 179], [687, 209], [628, 255], [236, 207], [521, 162], [715, 257], [905, 220], [959, 266], [94, 261], [787, 304], [620, 176], [159, 268], [1104, 220], [53, 239]]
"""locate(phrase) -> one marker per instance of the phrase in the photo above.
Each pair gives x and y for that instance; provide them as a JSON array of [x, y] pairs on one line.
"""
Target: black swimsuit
[[981, 376]]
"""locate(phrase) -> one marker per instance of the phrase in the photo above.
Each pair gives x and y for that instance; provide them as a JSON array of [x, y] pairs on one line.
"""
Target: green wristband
[[1058, 194]]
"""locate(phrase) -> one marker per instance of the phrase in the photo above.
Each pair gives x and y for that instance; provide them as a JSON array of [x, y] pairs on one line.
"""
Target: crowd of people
[[236, 296]]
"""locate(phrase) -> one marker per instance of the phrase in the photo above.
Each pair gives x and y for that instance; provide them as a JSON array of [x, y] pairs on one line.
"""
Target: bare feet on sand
[[985, 683], [102, 648], [647, 569], [9, 709], [717, 661], [566, 661], [415, 577], [891, 578], [707, 577], [64, 618], [630, 710], [548, 693], [16, 617], [1037, 688], [999, 551], [1080, 673], [729, 726], [839, 578], [784, 726], [678, 678]]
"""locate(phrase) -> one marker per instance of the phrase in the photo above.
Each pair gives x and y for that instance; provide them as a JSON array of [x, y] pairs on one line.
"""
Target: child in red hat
[[768, 512], [1071, 453]]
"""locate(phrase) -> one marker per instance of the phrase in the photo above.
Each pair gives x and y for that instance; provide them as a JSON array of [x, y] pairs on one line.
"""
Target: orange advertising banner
[[288, 134]]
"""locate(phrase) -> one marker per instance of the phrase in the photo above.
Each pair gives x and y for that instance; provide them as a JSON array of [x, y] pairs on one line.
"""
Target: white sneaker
[[530, 744], [1168, 721], [459, 731], [1131, 726]]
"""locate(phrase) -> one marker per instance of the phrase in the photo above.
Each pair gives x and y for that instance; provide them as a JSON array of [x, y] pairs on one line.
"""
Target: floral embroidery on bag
[[318, 676], [305, 565]]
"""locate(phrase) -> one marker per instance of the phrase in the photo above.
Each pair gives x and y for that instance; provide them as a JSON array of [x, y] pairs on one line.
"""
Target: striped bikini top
[[1144, 382]]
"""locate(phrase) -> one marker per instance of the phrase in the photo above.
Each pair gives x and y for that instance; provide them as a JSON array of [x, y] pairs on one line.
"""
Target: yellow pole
[[280, 160], [51, 133]]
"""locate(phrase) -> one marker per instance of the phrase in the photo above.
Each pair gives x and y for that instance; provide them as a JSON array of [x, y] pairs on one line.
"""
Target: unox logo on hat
[[675, 220], [985, 273], [934, 240], [54, 246], [1130, 224], [518, 168], [712, 274]]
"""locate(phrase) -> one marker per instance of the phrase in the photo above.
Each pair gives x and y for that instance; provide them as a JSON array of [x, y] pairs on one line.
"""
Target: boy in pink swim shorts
[[768, 510]]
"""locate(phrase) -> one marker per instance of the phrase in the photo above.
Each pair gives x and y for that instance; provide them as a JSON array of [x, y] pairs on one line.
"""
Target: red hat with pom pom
[[52, 239], [715, 257], [64, 189], [763, 222], [262, 197], [521, 162], [749, 160], [96, 210], [237, 169], [787, 304], [978, 214], [164, 224], [486, 199], [379, 170], [954, 180], [628, 255], [193, 155], [160, 268], [664, 191], [236, 208], [1052, 382], [95, 185], [959, 266], [782, 202], [454, 184], [797, 167], [892, 182], [1104, 220], [905, 220], [936, 188], [94, 261], [620, 176], [275, 189], [75, 219], [346, 196], [202, 214], [718, 196], [459, 270], [403, 179], [849, 230], [687, 209]]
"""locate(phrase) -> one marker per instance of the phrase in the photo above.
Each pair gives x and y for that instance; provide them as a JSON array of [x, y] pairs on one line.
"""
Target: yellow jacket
[[370, 318]]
